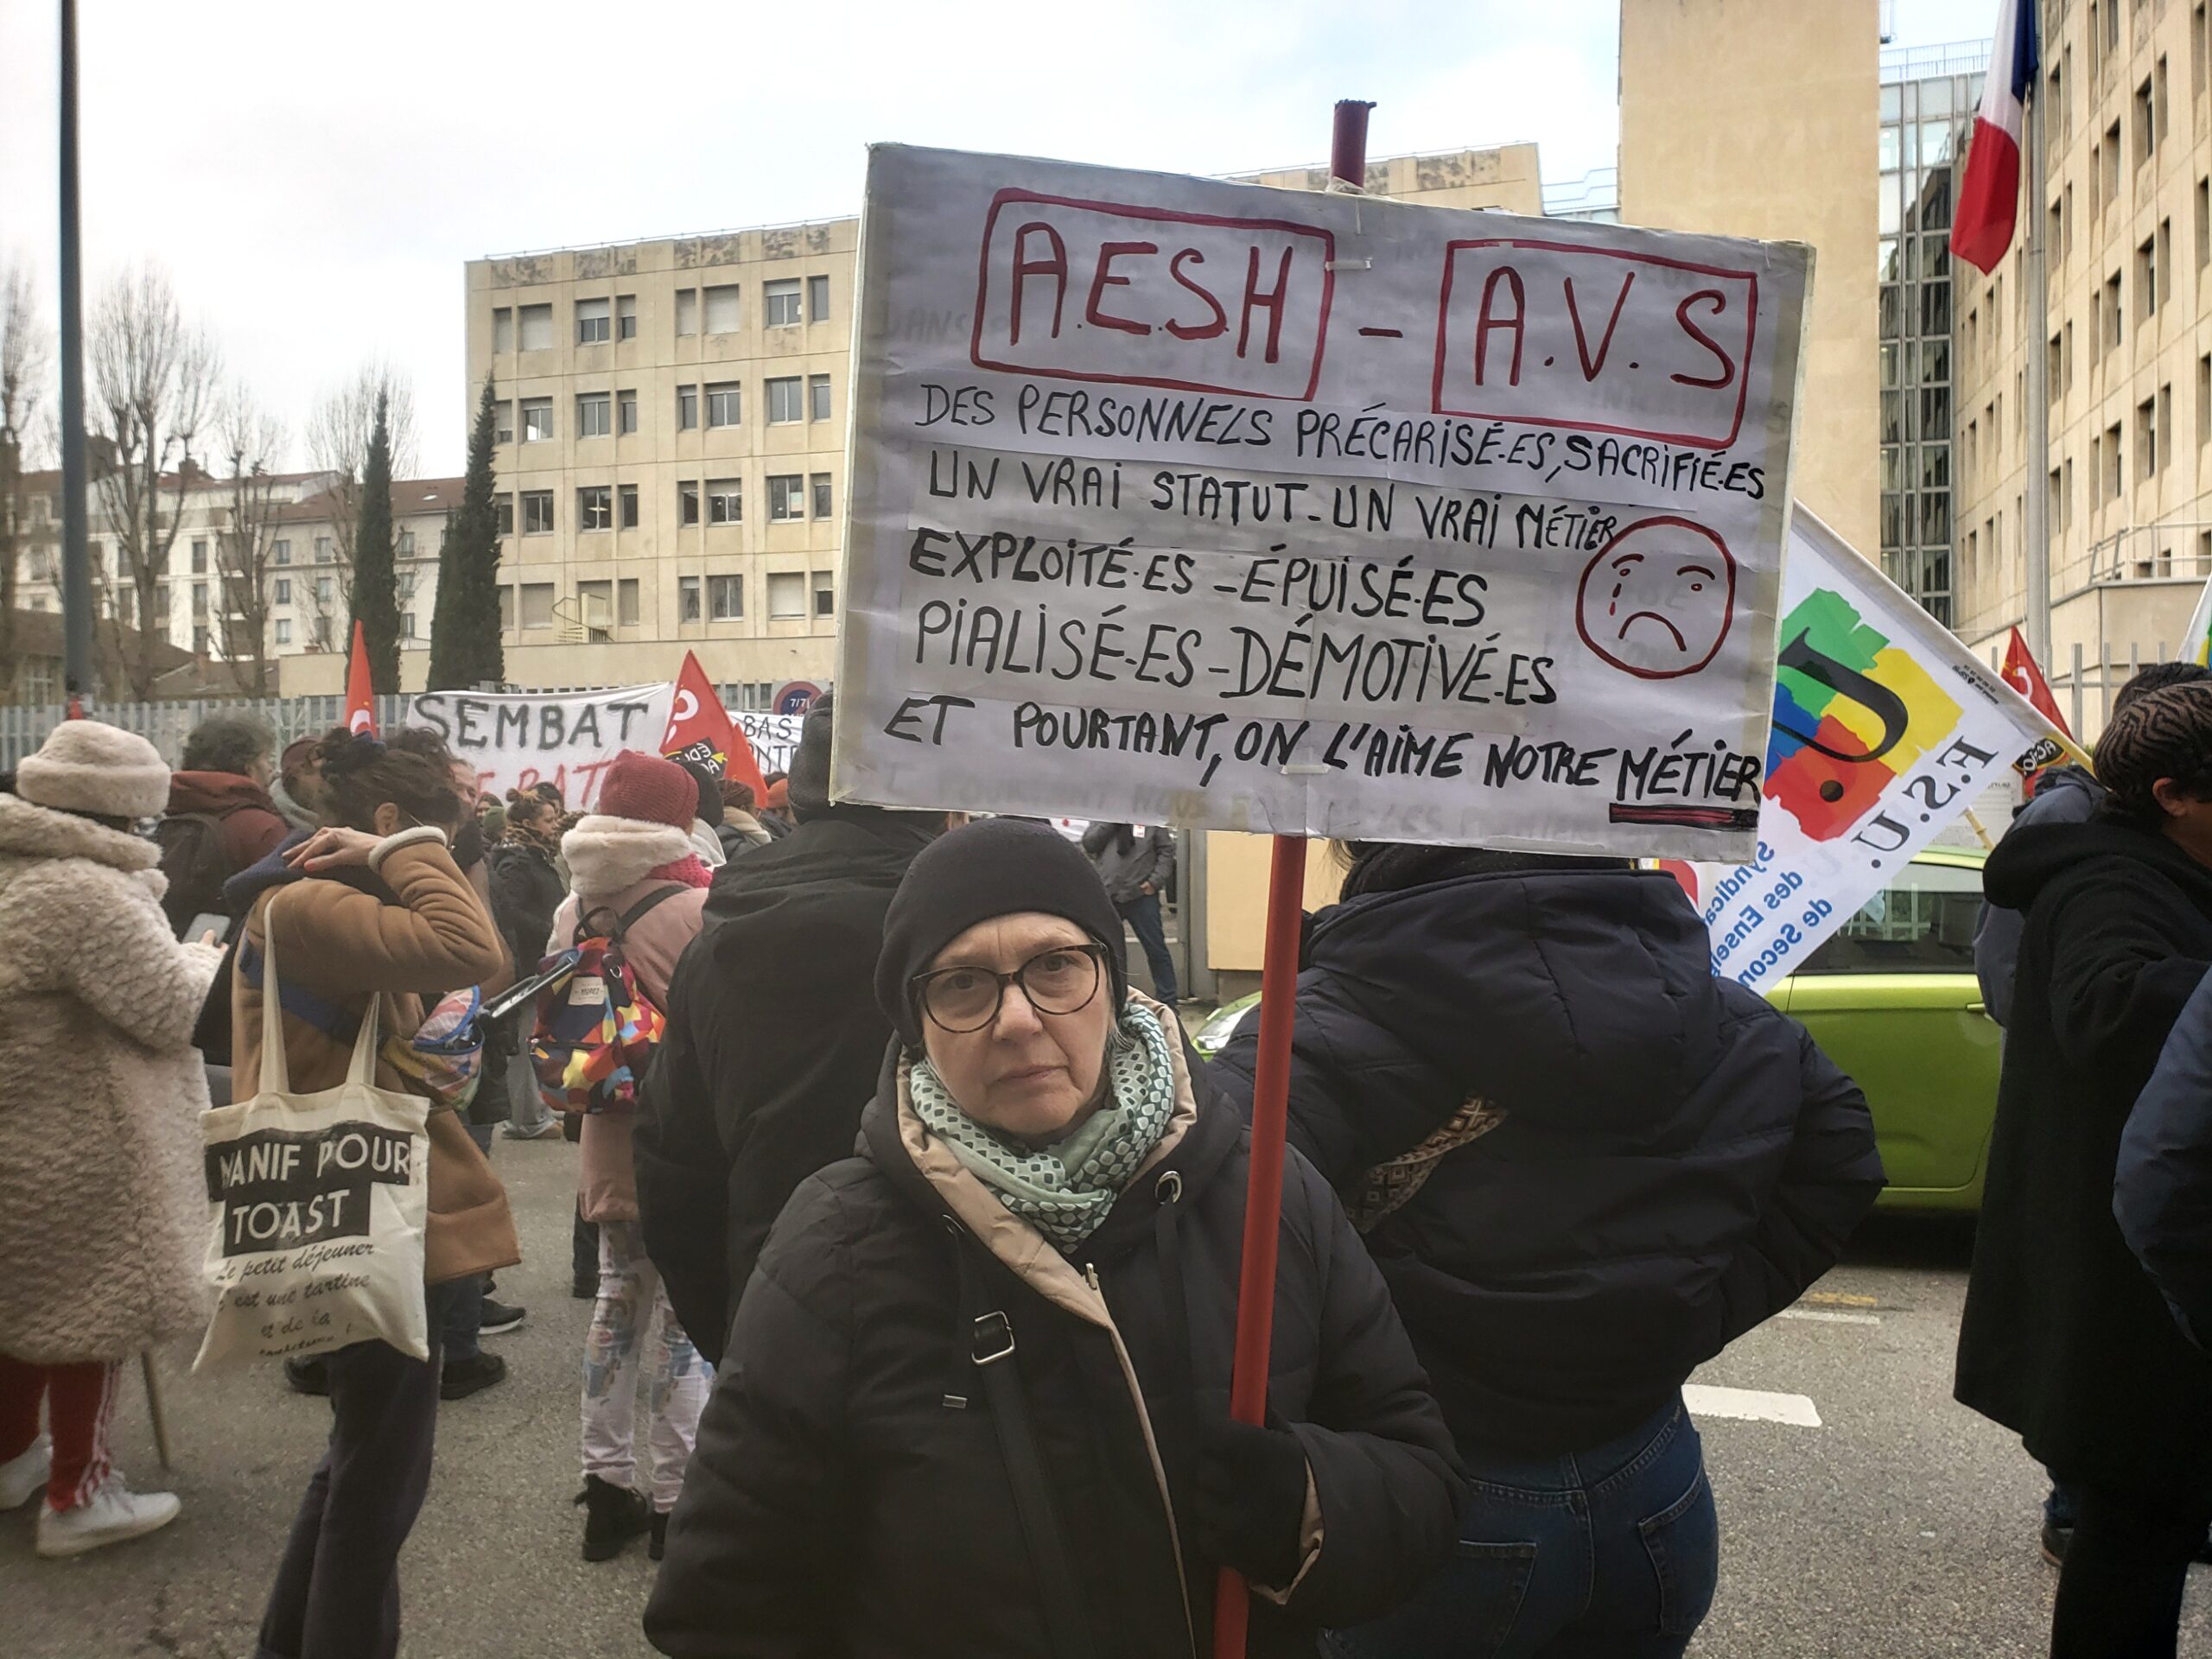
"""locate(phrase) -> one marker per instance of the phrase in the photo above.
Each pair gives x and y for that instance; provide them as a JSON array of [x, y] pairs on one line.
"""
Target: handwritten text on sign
[[1271, 509], [520, 740]]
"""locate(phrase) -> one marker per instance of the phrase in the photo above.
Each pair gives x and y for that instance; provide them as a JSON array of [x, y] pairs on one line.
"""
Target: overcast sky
[[313, 177]]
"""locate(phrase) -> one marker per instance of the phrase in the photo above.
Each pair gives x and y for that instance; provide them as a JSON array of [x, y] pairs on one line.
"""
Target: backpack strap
[[300, 1002], [629, 919], [987, 1335]]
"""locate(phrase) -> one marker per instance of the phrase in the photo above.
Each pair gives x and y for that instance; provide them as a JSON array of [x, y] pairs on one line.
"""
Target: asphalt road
[[1902, 1525]]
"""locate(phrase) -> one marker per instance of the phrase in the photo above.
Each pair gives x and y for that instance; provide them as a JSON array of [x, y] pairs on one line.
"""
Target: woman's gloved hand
[[1247, 1505]]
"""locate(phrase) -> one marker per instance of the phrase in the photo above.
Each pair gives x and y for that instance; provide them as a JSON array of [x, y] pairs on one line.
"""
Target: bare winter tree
[[26, 356], [154, 379], [338, 442], [248, 440]]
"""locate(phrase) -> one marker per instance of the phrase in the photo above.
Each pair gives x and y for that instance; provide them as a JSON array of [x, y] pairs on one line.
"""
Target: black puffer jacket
[[526, 889], [771, 1053], [1677, 1159], [839, 1507], [2064, 1338]]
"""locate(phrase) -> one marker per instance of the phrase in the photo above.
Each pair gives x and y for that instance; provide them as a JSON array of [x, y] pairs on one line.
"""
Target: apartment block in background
[[2128, 229]]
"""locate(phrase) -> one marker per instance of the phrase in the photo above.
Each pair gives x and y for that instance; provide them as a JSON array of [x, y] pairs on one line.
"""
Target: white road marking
[[1749, 1405], [1822, 1316]]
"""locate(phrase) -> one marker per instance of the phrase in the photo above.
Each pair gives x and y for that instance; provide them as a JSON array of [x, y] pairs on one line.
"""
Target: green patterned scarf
[[1066, 1190]]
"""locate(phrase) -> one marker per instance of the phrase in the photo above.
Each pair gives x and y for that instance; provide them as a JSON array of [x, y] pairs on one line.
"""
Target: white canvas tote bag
[[318, 1205]]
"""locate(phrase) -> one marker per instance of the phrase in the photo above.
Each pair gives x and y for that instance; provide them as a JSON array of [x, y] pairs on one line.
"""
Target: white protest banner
[[1181, 501], [1885, 729], [774, 738], [516, 740]]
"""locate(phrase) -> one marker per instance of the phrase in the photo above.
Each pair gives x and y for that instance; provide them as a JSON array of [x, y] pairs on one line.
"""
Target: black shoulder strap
[[989, 1335], [636, 913], [629, 919]]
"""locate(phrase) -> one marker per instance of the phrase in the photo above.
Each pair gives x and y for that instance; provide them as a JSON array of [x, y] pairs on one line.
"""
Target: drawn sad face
[[1657, 602]]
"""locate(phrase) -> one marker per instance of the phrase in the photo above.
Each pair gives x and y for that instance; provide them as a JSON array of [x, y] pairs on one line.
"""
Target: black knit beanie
[[996, 868]]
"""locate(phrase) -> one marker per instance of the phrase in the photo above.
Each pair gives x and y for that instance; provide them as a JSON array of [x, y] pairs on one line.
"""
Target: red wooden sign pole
[[1255, 1287]]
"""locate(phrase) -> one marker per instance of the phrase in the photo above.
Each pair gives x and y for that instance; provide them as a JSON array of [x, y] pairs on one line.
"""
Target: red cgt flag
[[700, 729], [361, 699], [2023, 675]]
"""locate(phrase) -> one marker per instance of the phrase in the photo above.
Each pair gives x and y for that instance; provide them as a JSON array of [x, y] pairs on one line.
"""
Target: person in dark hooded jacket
[[773, 1041], [2066, 794], [2063, 795], [2064, 1339], [976, 1398], [1583, 1164]]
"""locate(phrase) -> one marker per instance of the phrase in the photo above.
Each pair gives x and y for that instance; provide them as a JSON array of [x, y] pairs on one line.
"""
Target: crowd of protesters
[[922, 1243]]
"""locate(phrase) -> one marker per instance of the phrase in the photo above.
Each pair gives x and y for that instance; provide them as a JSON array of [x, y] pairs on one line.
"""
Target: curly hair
[[229, 743], [2158, 735], [361, 773]]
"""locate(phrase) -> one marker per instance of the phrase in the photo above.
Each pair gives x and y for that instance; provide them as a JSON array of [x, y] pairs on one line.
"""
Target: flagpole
[[2035, 529]]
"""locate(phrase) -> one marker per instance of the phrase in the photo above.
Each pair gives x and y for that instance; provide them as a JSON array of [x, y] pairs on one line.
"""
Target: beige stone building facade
[[2127, 223], [670, 455], [1757, 118]]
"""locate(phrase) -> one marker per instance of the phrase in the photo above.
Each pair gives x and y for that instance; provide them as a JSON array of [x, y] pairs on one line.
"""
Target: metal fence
[[165, 725]]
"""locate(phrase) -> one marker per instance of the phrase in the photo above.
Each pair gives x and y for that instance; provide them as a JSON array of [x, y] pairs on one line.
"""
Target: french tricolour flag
[[1989, 197]]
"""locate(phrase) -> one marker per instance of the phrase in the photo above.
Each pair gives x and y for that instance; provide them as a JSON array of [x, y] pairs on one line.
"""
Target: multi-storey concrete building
[[299, 527], [2126, 221], [1757, 118]]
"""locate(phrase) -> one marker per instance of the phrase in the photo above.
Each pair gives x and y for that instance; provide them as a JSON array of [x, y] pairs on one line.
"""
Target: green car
[[1892, 999]]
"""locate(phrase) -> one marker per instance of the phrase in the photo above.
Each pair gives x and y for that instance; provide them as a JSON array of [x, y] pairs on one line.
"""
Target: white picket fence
[[167, 724]]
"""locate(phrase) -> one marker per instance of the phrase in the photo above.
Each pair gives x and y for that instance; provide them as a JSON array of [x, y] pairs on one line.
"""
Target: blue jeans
[[1611, 1553], [1142, 914]]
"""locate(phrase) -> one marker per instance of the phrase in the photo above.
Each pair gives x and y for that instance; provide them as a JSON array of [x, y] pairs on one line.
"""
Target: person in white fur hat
[[635, 869], [102, 1209]]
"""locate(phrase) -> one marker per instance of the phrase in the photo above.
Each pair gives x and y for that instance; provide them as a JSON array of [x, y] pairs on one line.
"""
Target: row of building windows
[[793, 498], [785, 303], [601, 606], [43, 569], [792, 400]]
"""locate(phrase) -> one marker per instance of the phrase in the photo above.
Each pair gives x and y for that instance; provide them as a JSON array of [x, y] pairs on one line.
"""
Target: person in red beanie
[[636, 874]]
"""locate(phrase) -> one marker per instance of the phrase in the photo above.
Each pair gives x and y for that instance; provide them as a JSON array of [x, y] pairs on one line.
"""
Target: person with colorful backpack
[[639, 889]]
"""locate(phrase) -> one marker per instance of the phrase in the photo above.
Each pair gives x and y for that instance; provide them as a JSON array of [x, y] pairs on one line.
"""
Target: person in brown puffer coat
[[372, 906]]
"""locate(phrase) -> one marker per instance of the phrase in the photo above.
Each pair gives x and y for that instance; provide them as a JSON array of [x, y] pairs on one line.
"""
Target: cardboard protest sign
[[518, 740], [1886, 729], [1181, 501]]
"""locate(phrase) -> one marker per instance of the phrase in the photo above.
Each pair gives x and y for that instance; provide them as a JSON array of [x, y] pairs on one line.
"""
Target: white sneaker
[[115, 1513], [22, 1478]]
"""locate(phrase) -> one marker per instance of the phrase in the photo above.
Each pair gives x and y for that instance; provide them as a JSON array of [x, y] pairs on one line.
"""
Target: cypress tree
[[375, 594], [465, 648]]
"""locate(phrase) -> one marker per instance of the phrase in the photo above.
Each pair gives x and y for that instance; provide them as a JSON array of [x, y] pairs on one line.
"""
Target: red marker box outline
[[1164, 216], [1451, 251]]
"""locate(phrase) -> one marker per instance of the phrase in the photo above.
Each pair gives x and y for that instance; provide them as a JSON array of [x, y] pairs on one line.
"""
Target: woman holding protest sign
[[1584, 1164], [102, 1208], [372, 906], [1044, 1225]]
